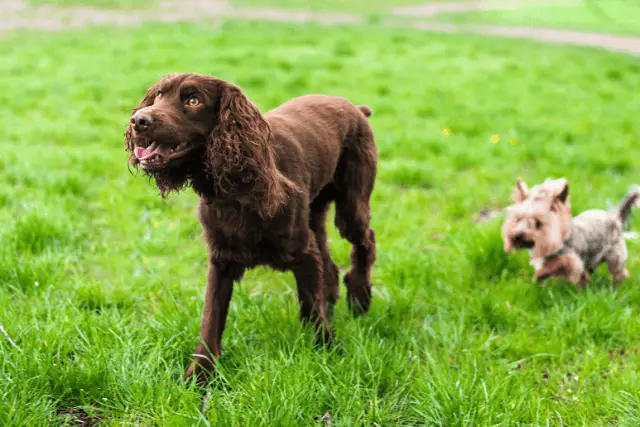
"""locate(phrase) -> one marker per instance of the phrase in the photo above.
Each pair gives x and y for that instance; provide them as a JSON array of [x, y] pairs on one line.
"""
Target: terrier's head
[[540, 218]]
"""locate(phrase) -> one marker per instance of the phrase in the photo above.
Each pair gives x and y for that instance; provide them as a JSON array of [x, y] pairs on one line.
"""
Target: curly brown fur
[[241, 159], [265, 184], [238, 158]]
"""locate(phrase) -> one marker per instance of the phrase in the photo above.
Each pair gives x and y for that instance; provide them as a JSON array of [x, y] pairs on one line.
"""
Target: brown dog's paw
[[324, 336], [358, 294], [201, 371]]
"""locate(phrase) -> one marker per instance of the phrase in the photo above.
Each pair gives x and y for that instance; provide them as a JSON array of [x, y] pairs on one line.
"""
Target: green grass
[[95, 3], [612, 16], [101, 281]]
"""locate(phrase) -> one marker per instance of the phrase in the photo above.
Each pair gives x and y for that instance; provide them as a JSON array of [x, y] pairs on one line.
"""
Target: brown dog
[[265, 184]]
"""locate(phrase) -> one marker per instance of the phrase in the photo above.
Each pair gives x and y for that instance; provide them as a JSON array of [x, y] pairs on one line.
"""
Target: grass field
[[612, 16], [101, 281]]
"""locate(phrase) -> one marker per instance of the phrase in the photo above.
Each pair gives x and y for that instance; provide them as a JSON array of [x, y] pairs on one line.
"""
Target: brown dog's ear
[[521, 192], [147, 101], [240, 154]]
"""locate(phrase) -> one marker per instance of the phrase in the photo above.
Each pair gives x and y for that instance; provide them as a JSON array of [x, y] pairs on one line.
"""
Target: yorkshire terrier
[[562, 245]]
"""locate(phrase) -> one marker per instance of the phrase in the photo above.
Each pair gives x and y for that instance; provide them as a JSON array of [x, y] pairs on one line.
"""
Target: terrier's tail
[[624, 208]]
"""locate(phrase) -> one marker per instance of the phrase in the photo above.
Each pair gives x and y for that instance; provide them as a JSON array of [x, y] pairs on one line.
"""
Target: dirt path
[[18, 14], [623, 44], [433, 9]]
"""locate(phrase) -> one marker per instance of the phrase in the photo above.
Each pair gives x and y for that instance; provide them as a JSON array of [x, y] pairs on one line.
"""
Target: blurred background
[[102, 281]]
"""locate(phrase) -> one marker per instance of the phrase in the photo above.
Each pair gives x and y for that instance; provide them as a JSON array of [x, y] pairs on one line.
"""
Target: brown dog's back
[[311, 134]]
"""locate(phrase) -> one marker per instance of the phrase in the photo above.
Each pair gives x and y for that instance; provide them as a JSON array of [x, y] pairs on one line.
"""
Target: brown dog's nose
[[141, 121]]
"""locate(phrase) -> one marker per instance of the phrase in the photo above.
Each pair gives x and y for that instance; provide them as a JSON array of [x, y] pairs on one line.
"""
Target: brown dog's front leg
[[309, 273], [214, 316]]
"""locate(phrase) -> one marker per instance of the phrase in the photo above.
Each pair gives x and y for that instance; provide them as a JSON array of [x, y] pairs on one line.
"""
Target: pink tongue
[[142, 153]]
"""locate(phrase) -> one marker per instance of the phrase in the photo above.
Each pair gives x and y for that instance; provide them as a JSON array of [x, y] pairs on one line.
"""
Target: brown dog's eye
[[538, 224], [193, 101]]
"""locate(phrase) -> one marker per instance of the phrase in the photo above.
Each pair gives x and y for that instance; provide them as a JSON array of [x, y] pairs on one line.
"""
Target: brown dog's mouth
[[158, 155]]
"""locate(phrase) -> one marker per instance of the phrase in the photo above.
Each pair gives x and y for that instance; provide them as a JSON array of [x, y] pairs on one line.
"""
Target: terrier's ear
[[564, 194], [521, 192], [555, 191], [561, 190]]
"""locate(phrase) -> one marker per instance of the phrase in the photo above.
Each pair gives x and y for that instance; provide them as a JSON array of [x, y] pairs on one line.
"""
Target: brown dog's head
[[540, 218], [193, 125]]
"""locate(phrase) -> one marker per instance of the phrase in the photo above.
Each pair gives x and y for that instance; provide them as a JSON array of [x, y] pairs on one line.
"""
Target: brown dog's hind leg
[[308, 270], [220, 280], [317, 223], [358, 279], [355, 179]]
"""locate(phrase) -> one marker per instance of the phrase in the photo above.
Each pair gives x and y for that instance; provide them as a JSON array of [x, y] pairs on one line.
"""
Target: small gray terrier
[[562, 245]]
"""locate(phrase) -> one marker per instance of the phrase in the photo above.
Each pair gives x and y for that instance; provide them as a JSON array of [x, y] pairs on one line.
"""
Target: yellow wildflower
[[495, 138], [446, 132], [513, 140]]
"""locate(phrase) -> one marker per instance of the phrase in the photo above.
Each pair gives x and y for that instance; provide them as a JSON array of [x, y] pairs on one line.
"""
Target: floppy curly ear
[[147, 101], [240, 156]]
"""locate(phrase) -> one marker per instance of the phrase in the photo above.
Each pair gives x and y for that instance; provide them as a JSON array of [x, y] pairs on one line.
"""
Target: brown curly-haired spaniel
[[265, 184]]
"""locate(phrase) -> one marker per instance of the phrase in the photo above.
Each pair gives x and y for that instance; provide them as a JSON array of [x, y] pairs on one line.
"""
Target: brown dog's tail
[[624, 208], [365, 110]]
